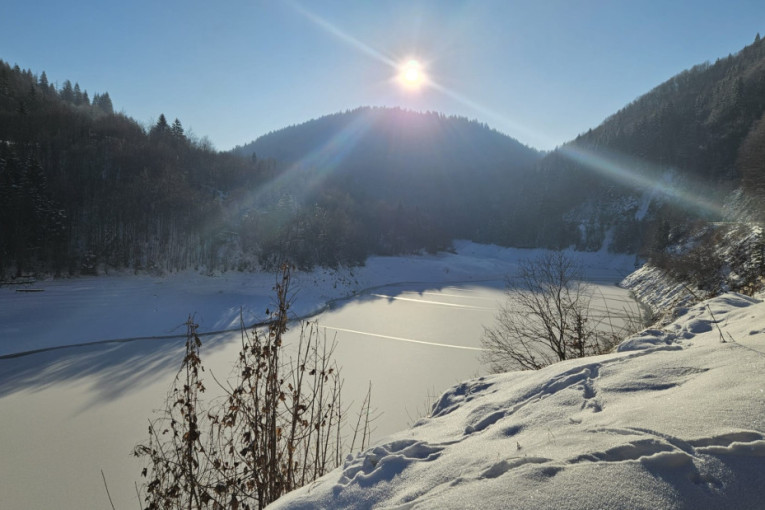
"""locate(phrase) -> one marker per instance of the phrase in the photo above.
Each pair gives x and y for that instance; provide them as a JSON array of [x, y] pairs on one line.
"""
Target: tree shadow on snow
[[112, 368]]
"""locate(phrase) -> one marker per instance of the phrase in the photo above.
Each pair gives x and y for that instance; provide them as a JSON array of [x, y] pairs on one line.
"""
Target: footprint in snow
[[385, 462]]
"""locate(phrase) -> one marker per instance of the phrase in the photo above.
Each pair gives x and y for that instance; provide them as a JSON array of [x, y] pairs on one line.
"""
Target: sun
[[411, 74]]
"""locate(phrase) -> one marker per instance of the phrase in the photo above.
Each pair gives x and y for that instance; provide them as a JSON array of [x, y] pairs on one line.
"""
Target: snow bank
[[674, 419], [657, 290]]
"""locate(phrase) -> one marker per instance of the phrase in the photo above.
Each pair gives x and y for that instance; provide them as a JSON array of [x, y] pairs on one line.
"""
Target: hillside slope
[[675, 419], [416, 180], [392, 140], [672, 156]]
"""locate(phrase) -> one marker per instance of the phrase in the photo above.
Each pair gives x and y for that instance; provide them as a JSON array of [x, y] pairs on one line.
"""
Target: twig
[[107, 490], [138, 493]]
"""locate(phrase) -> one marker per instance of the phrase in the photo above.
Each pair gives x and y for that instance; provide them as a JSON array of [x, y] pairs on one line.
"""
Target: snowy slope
[[658, 291], [674, 419]]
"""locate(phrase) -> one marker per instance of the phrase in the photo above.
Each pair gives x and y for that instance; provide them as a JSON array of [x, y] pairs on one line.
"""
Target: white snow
[[112, 307], [660, 292], [674, 419]]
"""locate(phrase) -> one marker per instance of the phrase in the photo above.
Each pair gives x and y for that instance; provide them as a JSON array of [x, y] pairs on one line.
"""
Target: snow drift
[[674, 419]]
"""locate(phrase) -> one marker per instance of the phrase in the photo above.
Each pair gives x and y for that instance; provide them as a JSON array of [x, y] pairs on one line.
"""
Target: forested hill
[[686, 144], [437, 162], [697, 121], [83, 188], [381, 139], [419, 179]]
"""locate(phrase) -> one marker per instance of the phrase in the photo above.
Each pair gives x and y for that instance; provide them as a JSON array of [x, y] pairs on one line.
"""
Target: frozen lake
[[414, 341], [65, 414]]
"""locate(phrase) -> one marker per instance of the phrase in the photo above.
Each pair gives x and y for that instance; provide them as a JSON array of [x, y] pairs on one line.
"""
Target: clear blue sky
[[541, 71]]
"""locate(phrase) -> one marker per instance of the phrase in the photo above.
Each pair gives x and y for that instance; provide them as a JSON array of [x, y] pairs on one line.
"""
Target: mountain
[[380, 140], [425, 160], [695, 122], [672, 156], [405, 181]]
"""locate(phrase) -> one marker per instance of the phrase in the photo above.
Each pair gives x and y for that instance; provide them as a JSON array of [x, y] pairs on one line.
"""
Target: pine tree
[[77, 95], [177, 129], [67, 92], [106, 103], [162, 125], [103, 102]]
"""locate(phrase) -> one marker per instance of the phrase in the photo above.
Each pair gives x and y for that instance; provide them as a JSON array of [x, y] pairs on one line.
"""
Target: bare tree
[[545, 319]]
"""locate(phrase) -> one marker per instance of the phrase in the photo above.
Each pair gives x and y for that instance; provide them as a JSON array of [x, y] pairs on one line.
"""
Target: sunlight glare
[[413, 78], [411, 74]]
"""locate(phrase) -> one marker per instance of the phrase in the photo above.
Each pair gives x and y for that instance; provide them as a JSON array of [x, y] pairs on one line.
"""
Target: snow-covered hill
[[674, 419]]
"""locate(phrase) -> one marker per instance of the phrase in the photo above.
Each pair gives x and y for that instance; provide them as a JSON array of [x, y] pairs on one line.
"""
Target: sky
[[539, 71]]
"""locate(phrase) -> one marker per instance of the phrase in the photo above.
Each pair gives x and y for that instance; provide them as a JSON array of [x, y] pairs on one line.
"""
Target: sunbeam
[[343, 36], [643, 175], [514, 128], [315, 167]]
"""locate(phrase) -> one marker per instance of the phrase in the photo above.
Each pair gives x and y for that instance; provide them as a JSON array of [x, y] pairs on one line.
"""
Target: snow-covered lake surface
[[410, 325]]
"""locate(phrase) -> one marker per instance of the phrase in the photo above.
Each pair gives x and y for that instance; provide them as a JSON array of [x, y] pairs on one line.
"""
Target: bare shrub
[[176, 455], [277, 427]]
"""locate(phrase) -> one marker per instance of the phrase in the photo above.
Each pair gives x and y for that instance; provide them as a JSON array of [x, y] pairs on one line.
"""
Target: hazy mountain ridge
[[419, 179], [385, 137]]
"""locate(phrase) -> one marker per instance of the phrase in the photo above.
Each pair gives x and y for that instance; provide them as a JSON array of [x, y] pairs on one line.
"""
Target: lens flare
[[643, 175]]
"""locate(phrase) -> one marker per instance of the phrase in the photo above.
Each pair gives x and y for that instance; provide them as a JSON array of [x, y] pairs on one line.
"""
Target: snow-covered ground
[[53, 313], [675, 419], [81, 402]]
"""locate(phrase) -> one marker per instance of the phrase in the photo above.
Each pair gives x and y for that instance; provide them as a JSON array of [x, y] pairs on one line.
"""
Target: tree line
[[84, 189]]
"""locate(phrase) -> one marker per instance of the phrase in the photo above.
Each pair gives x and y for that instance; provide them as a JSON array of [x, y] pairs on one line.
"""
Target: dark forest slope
[[687, 143], [425, 178], [83, 187]]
